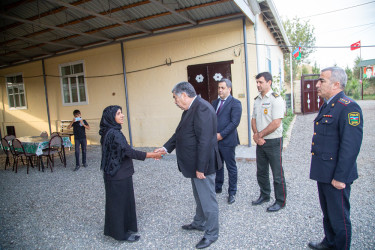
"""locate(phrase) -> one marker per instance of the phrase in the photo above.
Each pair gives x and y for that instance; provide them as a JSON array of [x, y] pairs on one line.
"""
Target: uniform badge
[[265, 111], [344, 101], [354, 118]]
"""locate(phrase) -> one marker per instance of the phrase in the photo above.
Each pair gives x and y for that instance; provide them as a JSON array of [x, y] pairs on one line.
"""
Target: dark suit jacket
[[195, 140], [337, 139], [228, 120]]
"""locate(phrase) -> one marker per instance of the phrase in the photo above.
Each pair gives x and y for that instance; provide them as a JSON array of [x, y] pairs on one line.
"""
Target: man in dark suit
[[228, 110], [197, 158], [337, 139]]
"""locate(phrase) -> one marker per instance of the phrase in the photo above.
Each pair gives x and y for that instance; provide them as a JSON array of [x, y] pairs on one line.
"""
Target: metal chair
[[7, 150], [20, 152], [9, 137], [55, 143], [54, 134]]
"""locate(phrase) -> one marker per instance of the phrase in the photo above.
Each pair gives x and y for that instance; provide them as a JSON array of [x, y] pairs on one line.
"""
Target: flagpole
[[360, 60]]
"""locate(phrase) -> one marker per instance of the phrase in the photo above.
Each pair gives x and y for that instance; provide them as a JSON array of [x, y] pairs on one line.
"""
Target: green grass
[[286, 121]]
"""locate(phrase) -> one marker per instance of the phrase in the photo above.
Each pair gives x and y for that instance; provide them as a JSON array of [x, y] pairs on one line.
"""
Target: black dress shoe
[[260, 200], [231, 199], [77, 167], [275, 207], [318, 245], [218, 190], [191, 227], [204, 243], [133, 238]]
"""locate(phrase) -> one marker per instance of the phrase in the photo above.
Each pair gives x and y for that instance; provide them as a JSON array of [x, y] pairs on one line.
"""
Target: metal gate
[[310, 101]]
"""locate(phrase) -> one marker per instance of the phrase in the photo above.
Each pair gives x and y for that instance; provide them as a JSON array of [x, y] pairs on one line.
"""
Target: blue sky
[[339, 28]]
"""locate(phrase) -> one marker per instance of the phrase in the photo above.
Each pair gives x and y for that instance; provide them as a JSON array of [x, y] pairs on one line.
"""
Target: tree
[[299, 33], [315, 69]]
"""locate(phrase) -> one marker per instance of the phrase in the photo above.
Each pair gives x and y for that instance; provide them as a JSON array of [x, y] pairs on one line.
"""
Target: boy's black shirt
[[79, 131]]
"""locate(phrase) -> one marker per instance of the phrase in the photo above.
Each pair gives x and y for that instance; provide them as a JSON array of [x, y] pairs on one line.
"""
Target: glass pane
[[10, 90], [65, 70], [19, 79], [78, 68], [17, 99], [15, 88], [20, 88], [11, 101], [22, 97], [73, 86], [66, 90], [81, 87]]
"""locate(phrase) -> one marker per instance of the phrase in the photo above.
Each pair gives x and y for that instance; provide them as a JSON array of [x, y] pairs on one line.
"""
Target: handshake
[[157, 154]]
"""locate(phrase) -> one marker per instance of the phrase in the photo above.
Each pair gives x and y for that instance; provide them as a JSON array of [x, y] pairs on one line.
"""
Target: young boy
[[79, 130]]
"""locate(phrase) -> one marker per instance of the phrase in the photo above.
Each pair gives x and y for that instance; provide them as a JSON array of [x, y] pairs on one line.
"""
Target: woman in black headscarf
[[117, 167]]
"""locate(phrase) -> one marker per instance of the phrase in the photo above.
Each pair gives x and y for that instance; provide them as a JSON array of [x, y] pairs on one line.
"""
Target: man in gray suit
[[198, 158]]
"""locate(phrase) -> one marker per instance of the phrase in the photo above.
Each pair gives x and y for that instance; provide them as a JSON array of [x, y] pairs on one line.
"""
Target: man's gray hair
[[227, 82], [337, 75], [186, 87]]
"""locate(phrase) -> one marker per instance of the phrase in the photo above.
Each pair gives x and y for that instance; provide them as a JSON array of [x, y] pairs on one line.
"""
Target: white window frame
[[71, 103], [268, 59], [24, 91]]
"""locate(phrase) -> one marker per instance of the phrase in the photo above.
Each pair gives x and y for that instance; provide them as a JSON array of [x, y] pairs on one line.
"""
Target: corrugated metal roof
[[365, 63], [31, 29]]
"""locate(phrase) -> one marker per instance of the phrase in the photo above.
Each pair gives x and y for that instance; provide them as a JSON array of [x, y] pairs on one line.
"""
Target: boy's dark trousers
[[83, 143]]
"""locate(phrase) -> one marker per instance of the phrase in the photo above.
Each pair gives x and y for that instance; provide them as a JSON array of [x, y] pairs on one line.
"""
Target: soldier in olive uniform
[[267, 127], [336, 142]]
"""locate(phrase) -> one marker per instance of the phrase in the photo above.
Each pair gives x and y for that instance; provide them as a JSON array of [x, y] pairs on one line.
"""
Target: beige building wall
[[153, 114], [33, 119]]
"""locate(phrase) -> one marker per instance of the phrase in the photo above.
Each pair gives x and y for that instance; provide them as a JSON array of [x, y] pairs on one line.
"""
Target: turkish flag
[[356, 45]]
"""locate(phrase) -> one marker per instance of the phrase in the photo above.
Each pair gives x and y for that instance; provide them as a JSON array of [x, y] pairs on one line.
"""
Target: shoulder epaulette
[[344, 101], [275, 94]]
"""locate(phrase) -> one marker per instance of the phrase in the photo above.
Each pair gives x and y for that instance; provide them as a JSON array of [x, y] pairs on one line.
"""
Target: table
[[36, 144]]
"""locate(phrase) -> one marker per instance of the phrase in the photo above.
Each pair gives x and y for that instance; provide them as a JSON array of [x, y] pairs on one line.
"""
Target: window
[[73, 84], [268, 60], [16, 92]]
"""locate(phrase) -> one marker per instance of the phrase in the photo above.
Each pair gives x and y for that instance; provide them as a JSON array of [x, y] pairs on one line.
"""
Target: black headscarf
[[108, 130]]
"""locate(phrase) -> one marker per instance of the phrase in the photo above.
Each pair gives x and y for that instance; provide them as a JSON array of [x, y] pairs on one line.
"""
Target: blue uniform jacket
[[228, 120], [337, 139]]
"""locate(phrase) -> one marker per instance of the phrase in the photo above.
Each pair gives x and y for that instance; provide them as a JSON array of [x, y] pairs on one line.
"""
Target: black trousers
[[270, 154], [228, 155], [336, 215], [83, 143]]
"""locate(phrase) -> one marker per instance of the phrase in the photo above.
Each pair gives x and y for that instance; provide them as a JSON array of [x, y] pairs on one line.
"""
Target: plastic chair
[[20, 152]]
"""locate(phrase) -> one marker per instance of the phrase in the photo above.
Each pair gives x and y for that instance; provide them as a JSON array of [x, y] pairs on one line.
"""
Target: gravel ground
[[65, 209]]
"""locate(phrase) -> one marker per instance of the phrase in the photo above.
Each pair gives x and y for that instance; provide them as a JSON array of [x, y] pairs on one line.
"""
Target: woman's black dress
[[120, 211]]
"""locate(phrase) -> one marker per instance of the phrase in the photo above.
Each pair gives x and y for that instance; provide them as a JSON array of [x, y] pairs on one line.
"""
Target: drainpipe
[[247, 82], [45, 91], [291, 82], [256, 32], [126, 94]]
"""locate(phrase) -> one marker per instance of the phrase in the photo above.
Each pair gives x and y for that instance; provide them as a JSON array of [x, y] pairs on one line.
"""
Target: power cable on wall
[[205, 54]]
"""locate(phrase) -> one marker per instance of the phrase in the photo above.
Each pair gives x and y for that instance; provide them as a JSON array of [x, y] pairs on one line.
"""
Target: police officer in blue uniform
[[337, 139]]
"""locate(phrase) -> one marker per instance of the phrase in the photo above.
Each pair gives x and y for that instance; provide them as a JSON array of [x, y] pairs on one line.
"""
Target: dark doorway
[[205, 78], [11, 130], [311, 102]]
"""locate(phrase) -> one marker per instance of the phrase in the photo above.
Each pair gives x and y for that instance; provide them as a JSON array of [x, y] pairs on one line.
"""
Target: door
[[311, 102], [205, 78]]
